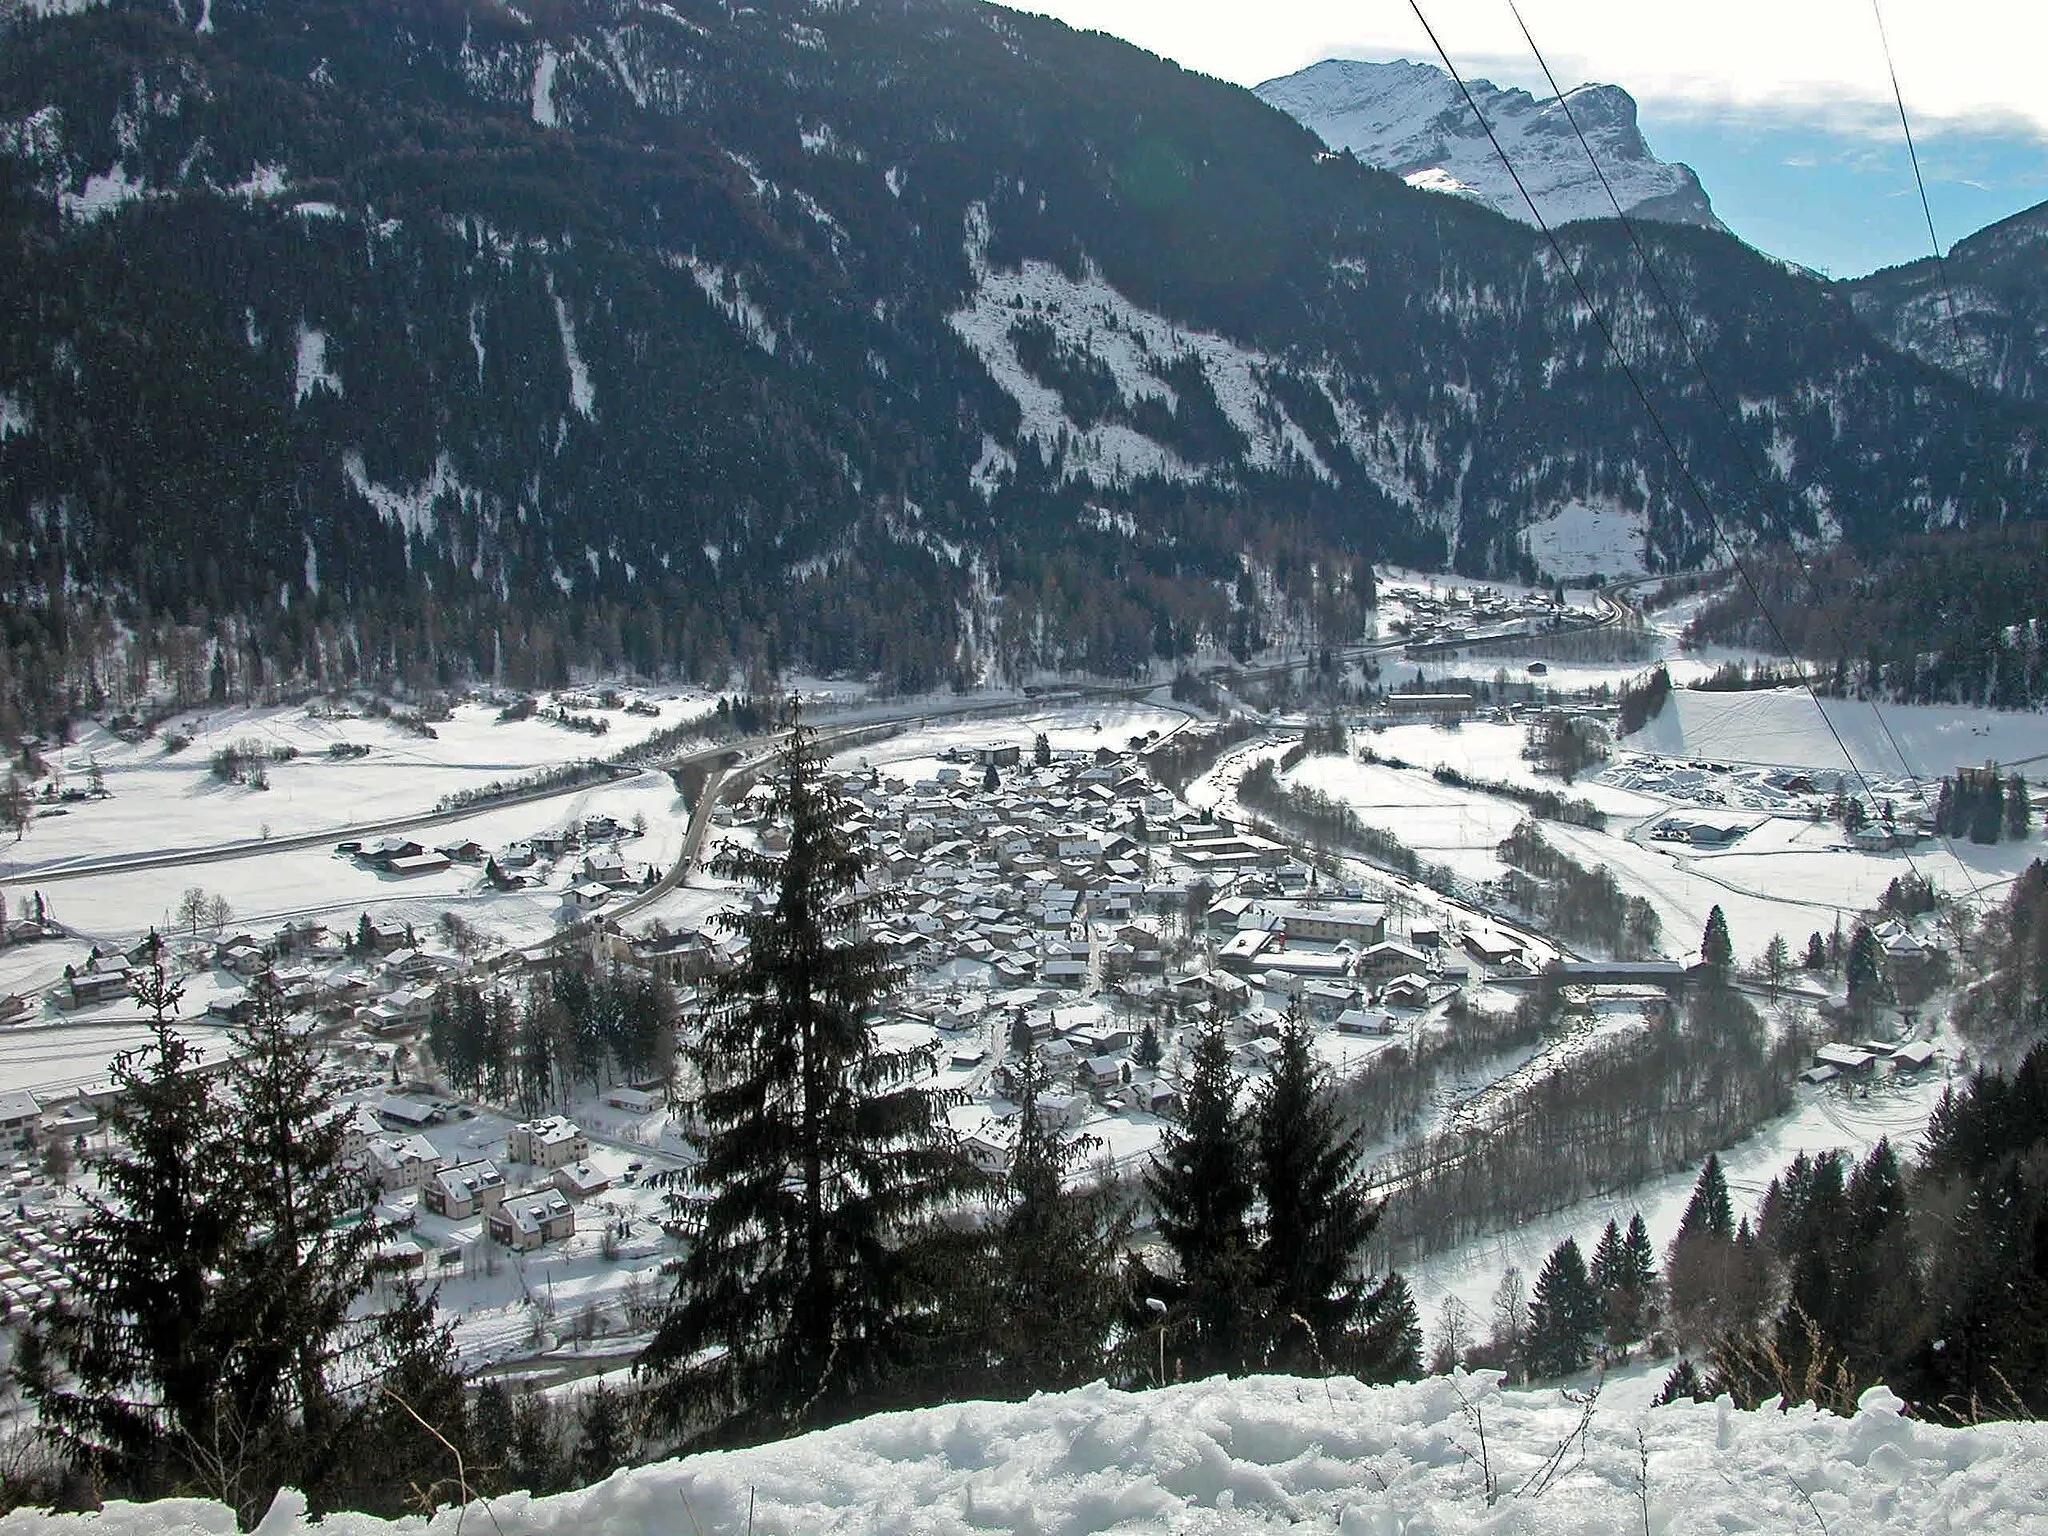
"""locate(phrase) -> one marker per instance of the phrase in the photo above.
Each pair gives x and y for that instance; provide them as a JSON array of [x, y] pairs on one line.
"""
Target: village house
[[580, 1181], [460, 1192], [549, 1143], [524, 1222], [20, 1117], [400, 1162]]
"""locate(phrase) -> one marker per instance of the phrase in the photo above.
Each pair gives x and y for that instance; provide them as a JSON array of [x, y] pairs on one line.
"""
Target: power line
[[1765, 500], [1913, 154], [1642, 396]]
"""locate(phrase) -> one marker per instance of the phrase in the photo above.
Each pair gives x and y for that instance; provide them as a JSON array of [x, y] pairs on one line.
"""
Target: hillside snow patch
[[1231, 1458], [1091, 319], [1580, 539], [310, 370]]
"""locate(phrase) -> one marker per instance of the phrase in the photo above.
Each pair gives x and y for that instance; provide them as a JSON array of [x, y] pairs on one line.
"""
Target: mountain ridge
[[421, 341], [1412, 119]]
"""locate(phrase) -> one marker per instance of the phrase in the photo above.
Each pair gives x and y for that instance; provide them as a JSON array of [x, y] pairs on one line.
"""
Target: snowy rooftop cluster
[[1272, 1453]]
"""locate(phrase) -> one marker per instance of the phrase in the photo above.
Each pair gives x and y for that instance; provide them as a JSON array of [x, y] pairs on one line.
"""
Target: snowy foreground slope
[[1276, 1453]]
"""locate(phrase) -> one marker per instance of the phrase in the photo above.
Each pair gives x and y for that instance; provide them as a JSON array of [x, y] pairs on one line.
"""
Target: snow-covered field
[[1785, 726], [165, 801], [1270, 1453]]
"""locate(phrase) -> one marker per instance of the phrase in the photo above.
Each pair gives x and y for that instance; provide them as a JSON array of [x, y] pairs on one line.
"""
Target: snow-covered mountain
[[1412, 119], [1452, 1455]]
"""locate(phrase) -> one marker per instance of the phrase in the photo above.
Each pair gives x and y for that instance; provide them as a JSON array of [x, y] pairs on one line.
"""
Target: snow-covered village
[[499, 977]]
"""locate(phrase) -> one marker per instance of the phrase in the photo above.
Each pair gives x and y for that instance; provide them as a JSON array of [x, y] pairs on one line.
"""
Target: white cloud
[[1961, 63]]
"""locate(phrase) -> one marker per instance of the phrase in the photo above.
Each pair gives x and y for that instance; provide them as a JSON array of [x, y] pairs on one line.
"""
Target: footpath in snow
[[1274, 1453]]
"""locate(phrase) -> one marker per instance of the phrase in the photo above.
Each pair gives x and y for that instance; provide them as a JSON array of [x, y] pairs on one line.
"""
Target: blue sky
[[1846, 204], [1784, 107]]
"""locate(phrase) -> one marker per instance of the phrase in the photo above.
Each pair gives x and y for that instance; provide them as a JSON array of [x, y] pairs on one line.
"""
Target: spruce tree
[[1816, 953], [1608, 1258], [821, 1156], [1318, 1216], [2019, 809], [1057, 1256], [305, 1257], [1564, 1314], [1200, 1187], [1864, 972], [1703, 1261], [1146, 1052], [490, 1438], [603, 1440], [1717, 951], [1709, 1209], [1389, 1335], [122, 1375]]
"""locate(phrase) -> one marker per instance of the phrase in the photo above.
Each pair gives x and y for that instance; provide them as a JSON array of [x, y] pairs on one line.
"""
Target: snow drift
[[1277, 1452]]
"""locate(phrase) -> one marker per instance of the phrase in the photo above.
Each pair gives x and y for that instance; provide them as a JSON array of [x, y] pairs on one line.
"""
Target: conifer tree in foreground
[[1056, 1256], [1200, 1185], [1318, 1220], [122, 1376], [1564, 1314], [820, 1160], [216, 1342]]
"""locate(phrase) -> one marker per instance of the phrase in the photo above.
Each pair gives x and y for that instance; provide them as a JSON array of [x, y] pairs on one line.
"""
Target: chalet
[[587, 896], [1491, 948], [1243, 948], [518, 855], [462, 1191], [384, 850], [1698, 832], [1390, 957], [242, 955], [549, 1143], [20, 1117], [1359, 922], [1062, 1110], [605, 867], [99, 983], [1326, 1000], [1105, 1071], [1848, 1060], [403, 1010], [1365, 1021], [637, 1101], [580, 1181], [524, 1222], [408, 1114], [1405, 992], [383, 936], [468, 851], [1913, 1056], [677, 958], [400, 1162], [1156, 1098], [987, 1150]]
